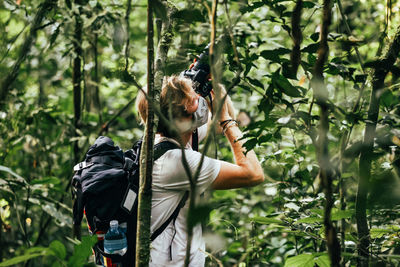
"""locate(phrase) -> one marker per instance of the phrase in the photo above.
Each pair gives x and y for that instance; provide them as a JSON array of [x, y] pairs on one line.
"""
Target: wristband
[[228, 125], [223, 123]]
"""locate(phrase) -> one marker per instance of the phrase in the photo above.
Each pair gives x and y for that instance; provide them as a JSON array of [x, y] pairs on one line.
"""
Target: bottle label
[[118, 246]]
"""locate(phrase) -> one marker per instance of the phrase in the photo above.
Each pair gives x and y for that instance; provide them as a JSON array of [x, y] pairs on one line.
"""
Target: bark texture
[[154, 82], [146, 157], [326, 172], [297, 36], [380, 71], [77, 90]]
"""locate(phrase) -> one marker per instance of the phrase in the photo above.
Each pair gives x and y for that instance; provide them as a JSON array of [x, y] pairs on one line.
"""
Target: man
[[189, 111]]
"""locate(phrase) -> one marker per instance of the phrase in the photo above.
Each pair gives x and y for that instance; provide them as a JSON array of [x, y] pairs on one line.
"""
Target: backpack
[[105, 188]]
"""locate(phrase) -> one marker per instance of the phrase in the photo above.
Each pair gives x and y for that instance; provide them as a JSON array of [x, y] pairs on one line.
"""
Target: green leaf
[[57, 214], [308, 4], [250, 144], [59, 249], [341, 214], [284, 85], [264, 138], [266, 220], [314, 36], [303, 260], [19, 259], [379, 232], [274, 54], [318, 211], [323, 261], [311, 219], [19, 178], [312, 48], [190, 15], [82, 251], [47, 180], [255, 82], [387, 98], [360, 78]]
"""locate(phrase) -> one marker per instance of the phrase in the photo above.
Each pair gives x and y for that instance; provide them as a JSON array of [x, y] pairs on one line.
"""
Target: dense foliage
[[77, 71]]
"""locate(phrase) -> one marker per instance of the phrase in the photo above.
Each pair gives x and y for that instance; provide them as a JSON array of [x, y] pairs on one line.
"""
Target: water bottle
[[115, 240]]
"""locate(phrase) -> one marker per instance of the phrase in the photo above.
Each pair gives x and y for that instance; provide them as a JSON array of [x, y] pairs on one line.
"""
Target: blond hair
[[175, 94]]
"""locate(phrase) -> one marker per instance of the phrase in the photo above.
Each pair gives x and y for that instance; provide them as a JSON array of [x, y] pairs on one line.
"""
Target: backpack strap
[[162, 147], [172, 217], [159, 150], [195, 140]]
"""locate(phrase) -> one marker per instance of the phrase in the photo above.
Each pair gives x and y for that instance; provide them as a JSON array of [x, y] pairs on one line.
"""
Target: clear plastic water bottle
[[115, 240]]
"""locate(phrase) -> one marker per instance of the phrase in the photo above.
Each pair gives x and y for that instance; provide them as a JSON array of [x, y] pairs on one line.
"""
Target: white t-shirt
[[170, 183]]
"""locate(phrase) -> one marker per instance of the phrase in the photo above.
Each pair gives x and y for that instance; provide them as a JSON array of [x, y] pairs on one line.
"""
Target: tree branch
[[6, 84], [326, 171]]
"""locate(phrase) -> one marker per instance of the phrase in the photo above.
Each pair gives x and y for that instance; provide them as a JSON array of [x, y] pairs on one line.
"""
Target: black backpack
[[105, 188]]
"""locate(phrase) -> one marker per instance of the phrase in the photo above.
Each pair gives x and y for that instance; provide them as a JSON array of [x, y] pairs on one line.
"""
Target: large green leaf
[[274, 54], [303, 260], [322, 261], [284, 85], [58, 249], [341, 214], [82, 251], [8, 170], [19, 259]]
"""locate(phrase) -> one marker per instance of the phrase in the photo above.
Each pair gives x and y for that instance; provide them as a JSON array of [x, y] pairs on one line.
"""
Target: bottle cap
[[114, 223]]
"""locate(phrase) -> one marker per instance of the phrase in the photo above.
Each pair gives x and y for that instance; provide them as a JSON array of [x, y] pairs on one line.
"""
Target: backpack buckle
[[128, 164], [82, 165]]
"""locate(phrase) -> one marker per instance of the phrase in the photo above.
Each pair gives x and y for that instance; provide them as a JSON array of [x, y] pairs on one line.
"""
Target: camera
[[199, 74]]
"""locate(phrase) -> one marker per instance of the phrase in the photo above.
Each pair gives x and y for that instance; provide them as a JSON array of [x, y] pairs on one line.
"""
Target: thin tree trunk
[[42, 99], [146, 157], [297, 36], [154, 81], [6, 84], [77, 91], [127, 23], [92, 92], [326, 171], [380, 71], [162, 49]]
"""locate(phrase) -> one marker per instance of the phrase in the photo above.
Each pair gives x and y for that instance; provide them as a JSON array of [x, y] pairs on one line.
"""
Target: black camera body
[[199, 74]]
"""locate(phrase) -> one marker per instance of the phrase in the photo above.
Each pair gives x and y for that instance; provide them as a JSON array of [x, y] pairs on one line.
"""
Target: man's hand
[[227, 111]]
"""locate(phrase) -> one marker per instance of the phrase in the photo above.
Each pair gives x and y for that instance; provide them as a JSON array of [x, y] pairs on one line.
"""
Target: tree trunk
[[326, 171], [77, 91], [92, 92], [295, 56], [154, 83], [6, 84], [380, 71], [127, 24], [146, 157]]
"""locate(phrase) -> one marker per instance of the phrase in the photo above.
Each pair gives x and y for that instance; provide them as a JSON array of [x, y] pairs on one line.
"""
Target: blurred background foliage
[[279, 223]]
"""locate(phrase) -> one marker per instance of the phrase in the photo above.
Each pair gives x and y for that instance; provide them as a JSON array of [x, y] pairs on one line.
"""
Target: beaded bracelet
[[223, 123], [228, 125]]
